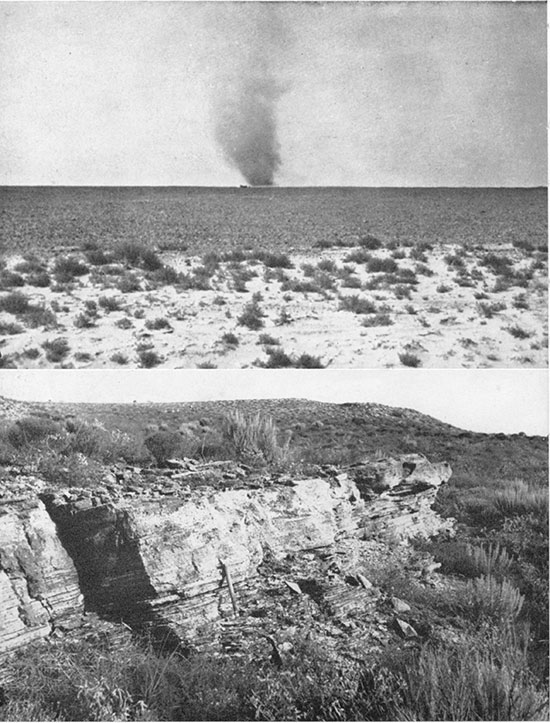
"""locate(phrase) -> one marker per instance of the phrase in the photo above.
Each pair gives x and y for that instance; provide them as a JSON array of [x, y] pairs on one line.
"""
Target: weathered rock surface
[[39, 589], [181, 562]]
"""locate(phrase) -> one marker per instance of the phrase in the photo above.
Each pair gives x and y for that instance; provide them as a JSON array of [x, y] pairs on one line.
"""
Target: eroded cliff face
[[188, 564], [39, 588]]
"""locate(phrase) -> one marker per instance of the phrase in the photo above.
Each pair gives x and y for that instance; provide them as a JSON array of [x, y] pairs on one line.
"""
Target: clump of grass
[[148, 358], [518, 332], [357, 304], [268, 340], [358, 256], [520, 498], [10, 328], [387, 266], [31, 353], [520, 302], [379, 319], [67, 268], [56, 349], [128, 283], [275, 260], [308, 361], [443, 289], [276, 359], [40, 279], [284, 317], [488, 310], [499, 264], [119, 358], [31, 429], [409, 360], [488, 597], [137, 254], [370, 242], [255, 438], [16, 303], [9, 279], [252, 315], [230, 340], [158, 324], [85, 320], [110, 303], [124, 323]]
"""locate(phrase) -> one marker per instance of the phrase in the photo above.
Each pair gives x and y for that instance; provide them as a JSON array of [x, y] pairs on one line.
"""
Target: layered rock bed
[[240, 564]]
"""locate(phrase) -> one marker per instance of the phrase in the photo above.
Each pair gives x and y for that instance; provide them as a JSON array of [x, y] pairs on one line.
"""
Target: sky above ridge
[[209, 93], [495, 400]]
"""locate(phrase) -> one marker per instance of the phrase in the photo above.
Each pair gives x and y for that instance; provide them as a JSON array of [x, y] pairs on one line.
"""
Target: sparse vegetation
[[409, 360], [56, 349]]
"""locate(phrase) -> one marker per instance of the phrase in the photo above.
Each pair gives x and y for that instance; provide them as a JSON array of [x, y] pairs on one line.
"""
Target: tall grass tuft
[[521, 498], [255, 438]]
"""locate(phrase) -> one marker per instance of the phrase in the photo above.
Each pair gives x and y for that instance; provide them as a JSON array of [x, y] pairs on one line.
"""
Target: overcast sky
[[130, 93], [496, 400]]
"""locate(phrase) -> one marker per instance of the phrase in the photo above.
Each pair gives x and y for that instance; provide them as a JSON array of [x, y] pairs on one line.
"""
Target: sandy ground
[[442, 324]]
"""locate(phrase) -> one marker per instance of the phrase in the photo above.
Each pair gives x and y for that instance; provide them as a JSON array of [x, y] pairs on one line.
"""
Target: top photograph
[[273, 185]]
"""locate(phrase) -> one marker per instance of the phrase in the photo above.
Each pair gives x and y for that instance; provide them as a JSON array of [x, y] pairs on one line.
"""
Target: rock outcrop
[[39, 588], [182, 562]]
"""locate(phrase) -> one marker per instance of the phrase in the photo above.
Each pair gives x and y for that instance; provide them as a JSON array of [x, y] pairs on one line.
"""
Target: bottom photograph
[[254, 545]]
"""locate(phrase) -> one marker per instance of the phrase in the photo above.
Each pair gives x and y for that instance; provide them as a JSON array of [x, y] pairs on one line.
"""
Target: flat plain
[[273, 277]]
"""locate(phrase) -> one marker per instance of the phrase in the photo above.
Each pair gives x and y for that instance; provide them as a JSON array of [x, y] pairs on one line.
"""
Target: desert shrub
[[520, 302], [148, 358], [387, 266], [110, 303], [56, 349], [254, 438], [274, 260], [276, 359], [488, 310], [307, 361], [98, 257], [29, 265], [157, 324], [119, 358], [104, 445], [252, 316], [230, 339], [284, 317], [301, 286], [9, 279], [39, 278], [423, 269], [207, 365], [30, 430], [9, 328], [124, 323], [498, 263], [66, 268], [380, 319], [164, 445], [15, 303], [165, 275], [409, 360], [357, 304], [327, 265], [128, 283], [402, 291], [85, 321], [31, 353], [518, 332], [370, 242], [268, 340], [443, 289], [137, 254], [358, 256]]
